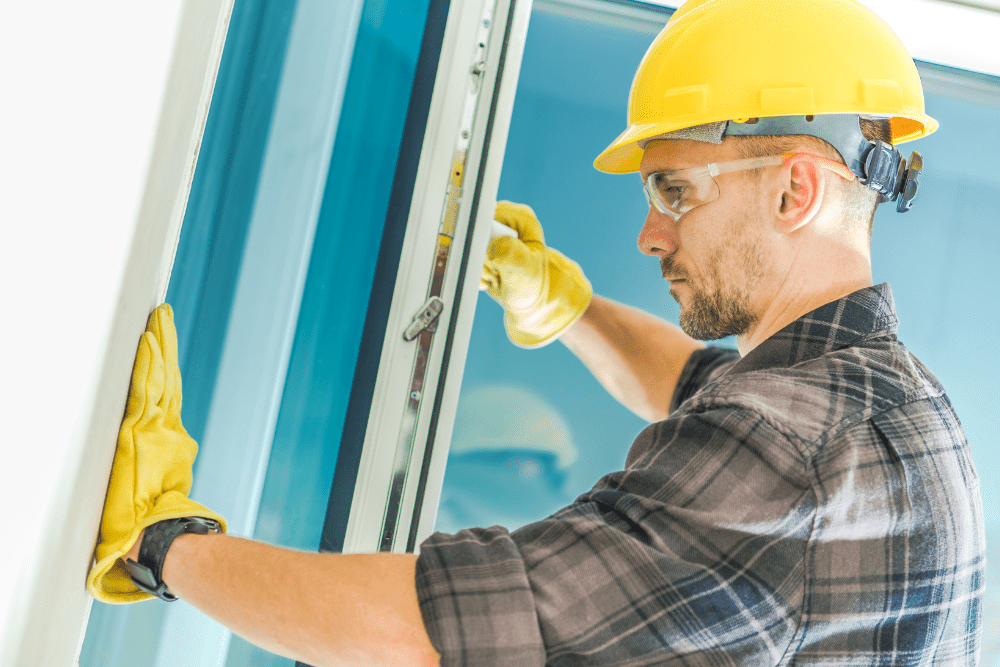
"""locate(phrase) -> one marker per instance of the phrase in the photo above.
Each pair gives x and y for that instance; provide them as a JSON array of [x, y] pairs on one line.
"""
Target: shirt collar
[[833, 326]]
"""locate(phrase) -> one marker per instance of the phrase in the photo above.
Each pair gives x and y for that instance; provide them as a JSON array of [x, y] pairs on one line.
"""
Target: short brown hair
[[859, 200]]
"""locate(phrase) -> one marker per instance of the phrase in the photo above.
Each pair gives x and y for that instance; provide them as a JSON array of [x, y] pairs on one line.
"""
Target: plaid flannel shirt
[[813, 503]]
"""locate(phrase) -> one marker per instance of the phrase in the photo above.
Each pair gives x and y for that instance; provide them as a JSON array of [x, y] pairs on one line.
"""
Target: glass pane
[[560, 430], [340, 273], [534, 429], [328, 333]]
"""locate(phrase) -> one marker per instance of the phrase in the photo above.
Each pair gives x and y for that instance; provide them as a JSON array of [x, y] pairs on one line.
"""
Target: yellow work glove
[[151, 473], [541, 291]]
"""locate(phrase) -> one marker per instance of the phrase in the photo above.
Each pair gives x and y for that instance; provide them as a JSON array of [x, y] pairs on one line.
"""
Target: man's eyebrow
[[657, 171]]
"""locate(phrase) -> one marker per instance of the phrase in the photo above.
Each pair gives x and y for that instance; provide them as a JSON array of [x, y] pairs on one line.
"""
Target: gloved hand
[[541, 291], [151, 472]]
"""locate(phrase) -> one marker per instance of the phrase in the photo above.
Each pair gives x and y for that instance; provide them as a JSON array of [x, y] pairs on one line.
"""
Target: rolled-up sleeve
[[692, 555], [476, 599]]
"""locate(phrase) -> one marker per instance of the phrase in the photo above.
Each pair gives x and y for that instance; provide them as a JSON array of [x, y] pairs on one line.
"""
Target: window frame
[[380, 411]]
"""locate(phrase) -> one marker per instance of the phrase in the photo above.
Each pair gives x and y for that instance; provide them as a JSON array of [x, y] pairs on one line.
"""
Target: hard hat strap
[[842, 131], [877, 164]]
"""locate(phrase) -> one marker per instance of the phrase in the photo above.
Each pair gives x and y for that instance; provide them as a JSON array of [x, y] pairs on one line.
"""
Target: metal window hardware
[[425, 319]]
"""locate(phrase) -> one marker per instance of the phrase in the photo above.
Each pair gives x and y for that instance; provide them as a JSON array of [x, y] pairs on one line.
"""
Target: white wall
[[103, 105]]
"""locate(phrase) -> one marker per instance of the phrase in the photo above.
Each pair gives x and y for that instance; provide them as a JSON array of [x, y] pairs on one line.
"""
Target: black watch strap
[[147, 573]]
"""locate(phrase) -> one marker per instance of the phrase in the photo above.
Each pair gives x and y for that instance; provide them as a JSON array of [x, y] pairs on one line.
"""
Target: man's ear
[[801, 187]]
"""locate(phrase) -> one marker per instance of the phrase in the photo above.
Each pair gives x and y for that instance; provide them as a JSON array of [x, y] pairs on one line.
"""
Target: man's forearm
[[638, 357], [322, 609]]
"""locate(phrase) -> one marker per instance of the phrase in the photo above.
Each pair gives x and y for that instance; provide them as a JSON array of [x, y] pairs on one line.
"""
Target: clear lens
[[676, 193]]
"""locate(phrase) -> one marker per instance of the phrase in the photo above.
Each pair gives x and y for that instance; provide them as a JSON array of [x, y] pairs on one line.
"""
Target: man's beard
[[726, 309]]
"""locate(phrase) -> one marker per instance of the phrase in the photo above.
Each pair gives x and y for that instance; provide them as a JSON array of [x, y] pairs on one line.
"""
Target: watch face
[[142, 575]]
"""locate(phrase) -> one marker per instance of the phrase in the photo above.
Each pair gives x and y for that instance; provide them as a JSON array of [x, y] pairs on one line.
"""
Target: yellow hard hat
[[724, 60]]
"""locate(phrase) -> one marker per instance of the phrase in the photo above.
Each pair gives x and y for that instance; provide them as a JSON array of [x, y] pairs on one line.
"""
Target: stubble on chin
[[717, 314], [725, 309]]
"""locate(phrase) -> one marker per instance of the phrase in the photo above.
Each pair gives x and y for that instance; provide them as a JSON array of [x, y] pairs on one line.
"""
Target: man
[[809, 499]]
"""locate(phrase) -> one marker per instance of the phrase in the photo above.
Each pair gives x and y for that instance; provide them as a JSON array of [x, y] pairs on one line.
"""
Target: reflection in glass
[[509, 453]]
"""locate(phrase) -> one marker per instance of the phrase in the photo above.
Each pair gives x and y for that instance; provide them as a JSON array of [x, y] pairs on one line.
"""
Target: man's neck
[[790, 305]]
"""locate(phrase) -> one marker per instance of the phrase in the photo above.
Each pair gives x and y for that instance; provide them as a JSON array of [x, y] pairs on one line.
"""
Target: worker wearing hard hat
[[807, 499]]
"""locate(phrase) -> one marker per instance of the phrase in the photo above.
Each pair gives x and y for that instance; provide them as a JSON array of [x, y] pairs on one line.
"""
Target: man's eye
[[671, 192]]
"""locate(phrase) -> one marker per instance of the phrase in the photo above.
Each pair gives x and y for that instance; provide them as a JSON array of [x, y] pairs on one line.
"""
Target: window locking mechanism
[[425, 319]]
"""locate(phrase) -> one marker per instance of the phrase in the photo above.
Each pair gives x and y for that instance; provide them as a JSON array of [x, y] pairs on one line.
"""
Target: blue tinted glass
[[337, 287], [328, 333], [539, 427], [223, 191], [543, 405]]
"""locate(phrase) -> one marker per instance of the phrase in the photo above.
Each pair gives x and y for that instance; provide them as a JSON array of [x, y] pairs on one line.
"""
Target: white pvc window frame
[[465, 64]]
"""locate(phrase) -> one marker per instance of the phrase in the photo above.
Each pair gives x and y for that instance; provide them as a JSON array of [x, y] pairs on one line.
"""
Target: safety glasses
[[674, 193]]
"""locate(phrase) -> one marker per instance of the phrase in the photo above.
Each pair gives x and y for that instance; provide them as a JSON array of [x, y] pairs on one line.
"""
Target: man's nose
[[658, 235]]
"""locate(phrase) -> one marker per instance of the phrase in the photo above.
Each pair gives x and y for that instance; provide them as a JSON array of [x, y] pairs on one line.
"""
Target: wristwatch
[[147, 573]]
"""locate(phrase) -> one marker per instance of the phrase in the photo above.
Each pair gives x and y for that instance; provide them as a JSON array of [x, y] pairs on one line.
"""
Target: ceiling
[[956, 33]]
